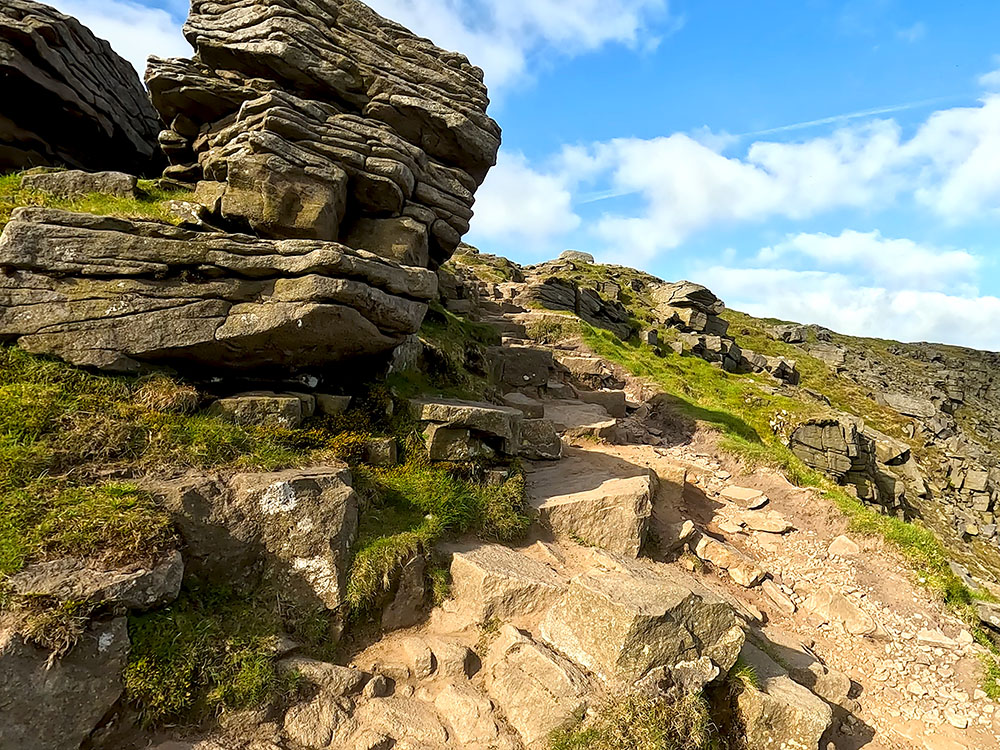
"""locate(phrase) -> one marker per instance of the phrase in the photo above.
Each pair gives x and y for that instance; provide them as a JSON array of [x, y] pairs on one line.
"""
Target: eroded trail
[[839, 635]]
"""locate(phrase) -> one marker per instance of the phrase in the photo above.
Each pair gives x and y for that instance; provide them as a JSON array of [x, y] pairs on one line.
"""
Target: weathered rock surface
[[835, 608], [781, 713], [558, 293], [112, 293], [624, 618], [75, 580], [879, 467], [75, 183], [292, 527], [540, 441], [493, 581], [600, 499], [537, 689], [325, 120], [55, 706], [459, 430], [740, 568], [68, 98]]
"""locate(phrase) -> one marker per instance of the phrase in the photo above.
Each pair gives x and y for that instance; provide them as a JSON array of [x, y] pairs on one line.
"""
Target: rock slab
[[68, 98]]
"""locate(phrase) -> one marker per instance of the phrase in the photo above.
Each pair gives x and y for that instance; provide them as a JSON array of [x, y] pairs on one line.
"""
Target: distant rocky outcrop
[[68, 99], [324, 120], [879, 468]]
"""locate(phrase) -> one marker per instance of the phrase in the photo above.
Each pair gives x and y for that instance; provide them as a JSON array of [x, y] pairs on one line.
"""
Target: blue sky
[[829, 161]]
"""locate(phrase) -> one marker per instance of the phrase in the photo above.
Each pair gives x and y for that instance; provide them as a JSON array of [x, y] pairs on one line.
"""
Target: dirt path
[[916, 678]]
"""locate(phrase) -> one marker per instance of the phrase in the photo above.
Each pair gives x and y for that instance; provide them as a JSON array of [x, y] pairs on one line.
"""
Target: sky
[[822, 161]]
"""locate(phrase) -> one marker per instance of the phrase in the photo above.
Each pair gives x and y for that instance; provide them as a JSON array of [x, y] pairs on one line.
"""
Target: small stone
[[744, 497], [377, 687], [915, 688], [935, 638], [956, 720], [844, 546]]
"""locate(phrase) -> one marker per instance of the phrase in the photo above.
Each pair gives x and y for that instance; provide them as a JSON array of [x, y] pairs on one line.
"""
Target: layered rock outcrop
[[341, 154], [325, 120], [68, 99], [114, 294], [880, 469]]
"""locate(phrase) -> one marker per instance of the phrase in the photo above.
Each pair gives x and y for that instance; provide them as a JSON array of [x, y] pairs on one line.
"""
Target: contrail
[[854, 115]]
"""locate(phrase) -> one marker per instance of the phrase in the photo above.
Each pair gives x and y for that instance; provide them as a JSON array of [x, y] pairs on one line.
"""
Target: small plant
[[743, 676], [636, 722]]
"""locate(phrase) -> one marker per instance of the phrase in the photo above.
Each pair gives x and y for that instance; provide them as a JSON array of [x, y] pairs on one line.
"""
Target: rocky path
[[913, 666]]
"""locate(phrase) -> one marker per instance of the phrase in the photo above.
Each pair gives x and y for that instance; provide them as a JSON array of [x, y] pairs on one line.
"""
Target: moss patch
[[151, 203], [209, 650]]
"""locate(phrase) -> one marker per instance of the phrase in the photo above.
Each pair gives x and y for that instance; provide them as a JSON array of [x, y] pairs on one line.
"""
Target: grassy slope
[[71, 442]]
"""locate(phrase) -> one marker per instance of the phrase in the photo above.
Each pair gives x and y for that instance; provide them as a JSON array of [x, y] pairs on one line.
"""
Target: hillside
[[285, 465]]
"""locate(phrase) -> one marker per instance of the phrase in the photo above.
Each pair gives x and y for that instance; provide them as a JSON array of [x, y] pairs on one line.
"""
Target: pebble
[[956, 720]]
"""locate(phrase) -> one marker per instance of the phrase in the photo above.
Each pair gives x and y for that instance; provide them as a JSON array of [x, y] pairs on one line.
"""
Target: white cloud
[[518, 204], [505, 37], [134, 31], [685, 183], [838, 302], [894, 263]]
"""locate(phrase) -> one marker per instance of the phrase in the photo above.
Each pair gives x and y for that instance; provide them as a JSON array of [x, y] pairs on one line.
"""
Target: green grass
[[111, 524], [210, 650], [416, 505], [151, 203], [635, 722], [455, 363]]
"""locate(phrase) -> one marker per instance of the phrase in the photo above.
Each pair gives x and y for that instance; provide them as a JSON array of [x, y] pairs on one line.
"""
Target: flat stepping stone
[[597, 498], [575, 418], [745, 497]]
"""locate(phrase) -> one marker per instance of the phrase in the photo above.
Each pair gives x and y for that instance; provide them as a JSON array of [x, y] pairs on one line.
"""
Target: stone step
[[574, 418], [504, 326], [612, 400], [591, 496]]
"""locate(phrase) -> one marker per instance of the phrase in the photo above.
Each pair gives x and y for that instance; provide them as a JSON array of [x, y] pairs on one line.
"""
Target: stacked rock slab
[[324, 120], [68, 99], [113, 294], [879, 467]]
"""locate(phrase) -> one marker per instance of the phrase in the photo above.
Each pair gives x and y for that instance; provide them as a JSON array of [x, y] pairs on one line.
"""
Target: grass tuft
[[210, 650], [635, 722], [151, 203]]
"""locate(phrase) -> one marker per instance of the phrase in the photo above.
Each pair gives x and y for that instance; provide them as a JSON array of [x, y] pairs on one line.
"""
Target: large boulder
[[626, 619], [492, 581], [55, 703], [599, 499], [68, 99], [114, 294], [323, 119], [881, 468], [294, 528]]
